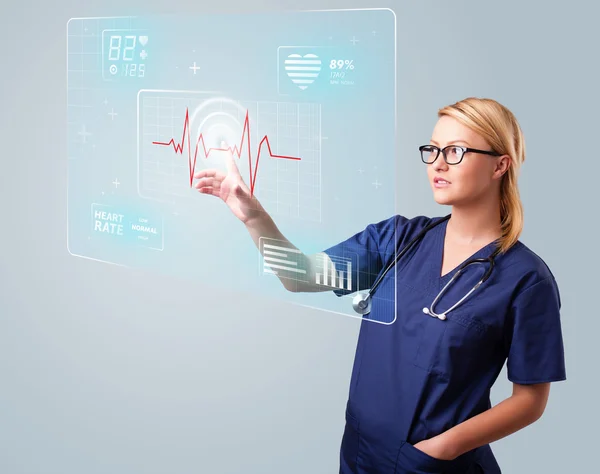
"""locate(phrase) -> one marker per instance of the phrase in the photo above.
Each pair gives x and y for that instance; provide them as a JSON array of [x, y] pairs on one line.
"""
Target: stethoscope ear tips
[[433, 315]]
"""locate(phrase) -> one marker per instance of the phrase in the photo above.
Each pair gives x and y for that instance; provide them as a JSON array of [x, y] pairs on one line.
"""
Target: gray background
[[112, 370]]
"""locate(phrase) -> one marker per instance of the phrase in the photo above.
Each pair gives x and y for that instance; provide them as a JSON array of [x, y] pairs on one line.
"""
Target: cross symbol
[[376, 184], [354, 40], [116, 182], [112, 114], [84, 134], [374, 32], [194, 68]]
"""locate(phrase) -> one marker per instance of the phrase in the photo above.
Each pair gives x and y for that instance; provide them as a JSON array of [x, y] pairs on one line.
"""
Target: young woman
[[419, 399]]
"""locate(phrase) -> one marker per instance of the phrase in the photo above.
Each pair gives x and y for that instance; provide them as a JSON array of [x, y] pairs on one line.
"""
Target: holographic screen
[[306, 102]]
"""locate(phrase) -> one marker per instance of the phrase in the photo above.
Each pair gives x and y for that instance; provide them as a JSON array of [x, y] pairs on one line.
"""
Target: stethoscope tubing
[[362, 301]]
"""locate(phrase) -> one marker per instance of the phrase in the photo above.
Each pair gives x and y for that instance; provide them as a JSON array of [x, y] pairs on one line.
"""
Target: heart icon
[[303, 70], [143, 40]]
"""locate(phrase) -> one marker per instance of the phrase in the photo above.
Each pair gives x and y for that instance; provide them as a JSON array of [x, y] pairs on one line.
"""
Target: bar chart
[[330, 276]]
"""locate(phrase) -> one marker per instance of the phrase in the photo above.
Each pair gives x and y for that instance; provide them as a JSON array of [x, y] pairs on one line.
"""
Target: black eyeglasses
[[453, 154]]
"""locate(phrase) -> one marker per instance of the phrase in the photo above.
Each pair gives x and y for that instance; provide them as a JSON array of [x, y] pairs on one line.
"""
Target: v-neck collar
[[439, 253]]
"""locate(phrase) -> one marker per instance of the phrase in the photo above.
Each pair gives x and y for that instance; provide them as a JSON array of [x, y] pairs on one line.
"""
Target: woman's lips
[[441, 183]]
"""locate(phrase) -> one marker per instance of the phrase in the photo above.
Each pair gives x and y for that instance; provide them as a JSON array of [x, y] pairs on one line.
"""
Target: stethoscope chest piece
[[362, 303]]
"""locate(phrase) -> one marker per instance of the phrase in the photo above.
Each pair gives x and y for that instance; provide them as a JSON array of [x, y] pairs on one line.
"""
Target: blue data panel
[[305, 101]]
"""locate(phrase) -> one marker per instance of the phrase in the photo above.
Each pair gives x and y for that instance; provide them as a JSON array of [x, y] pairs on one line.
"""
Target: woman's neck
[[475, 223]]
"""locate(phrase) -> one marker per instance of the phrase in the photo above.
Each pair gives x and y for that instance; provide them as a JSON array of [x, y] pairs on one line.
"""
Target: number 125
[[130, 70]]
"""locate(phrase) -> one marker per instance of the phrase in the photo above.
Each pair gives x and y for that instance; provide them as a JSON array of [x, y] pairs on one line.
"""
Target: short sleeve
[[365, 252], [534, 335]]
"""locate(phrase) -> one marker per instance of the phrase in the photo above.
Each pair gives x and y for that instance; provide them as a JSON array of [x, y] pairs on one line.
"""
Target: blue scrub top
[[420, 376]]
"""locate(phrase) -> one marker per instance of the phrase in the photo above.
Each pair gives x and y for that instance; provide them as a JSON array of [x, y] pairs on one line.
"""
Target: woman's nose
[[440, 163]]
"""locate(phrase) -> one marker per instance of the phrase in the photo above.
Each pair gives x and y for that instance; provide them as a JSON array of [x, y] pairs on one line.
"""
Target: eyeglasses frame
[[464, 149]]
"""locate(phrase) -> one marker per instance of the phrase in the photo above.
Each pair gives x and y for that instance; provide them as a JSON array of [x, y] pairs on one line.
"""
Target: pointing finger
[[231, 168]]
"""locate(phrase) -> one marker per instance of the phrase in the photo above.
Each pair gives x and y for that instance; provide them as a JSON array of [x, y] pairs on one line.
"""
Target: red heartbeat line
[[178, 147]]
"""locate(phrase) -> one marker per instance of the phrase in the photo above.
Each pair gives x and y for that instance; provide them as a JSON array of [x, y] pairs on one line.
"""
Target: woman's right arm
[[230, 188], [263, 226]]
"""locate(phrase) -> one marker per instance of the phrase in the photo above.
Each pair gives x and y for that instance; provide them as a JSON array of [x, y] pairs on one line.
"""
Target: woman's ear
[[502, 164]]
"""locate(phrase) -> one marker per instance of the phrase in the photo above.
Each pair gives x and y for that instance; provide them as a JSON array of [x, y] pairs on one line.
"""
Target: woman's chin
[[443, 200]]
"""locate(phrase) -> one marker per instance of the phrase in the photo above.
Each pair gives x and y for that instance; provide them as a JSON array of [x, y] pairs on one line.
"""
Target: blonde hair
[[500, 128]]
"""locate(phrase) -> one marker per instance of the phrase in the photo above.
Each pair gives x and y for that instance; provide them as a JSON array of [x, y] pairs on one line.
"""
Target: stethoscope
[[362, 301]]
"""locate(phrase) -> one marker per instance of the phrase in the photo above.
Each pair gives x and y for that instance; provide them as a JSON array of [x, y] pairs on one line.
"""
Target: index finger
[[229, 163]]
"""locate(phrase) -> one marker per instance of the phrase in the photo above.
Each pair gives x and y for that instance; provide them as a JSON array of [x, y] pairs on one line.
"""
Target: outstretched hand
[[229, 187]]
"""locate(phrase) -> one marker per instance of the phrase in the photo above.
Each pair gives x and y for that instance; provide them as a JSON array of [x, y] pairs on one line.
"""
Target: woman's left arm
[[535, 358], [525, 406]]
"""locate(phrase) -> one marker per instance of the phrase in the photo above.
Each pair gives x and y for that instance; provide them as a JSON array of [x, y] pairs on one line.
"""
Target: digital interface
[[306, 103], [123, 53]]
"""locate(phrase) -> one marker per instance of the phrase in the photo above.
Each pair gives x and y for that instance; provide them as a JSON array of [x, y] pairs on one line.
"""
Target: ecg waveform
[[236, 150]]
